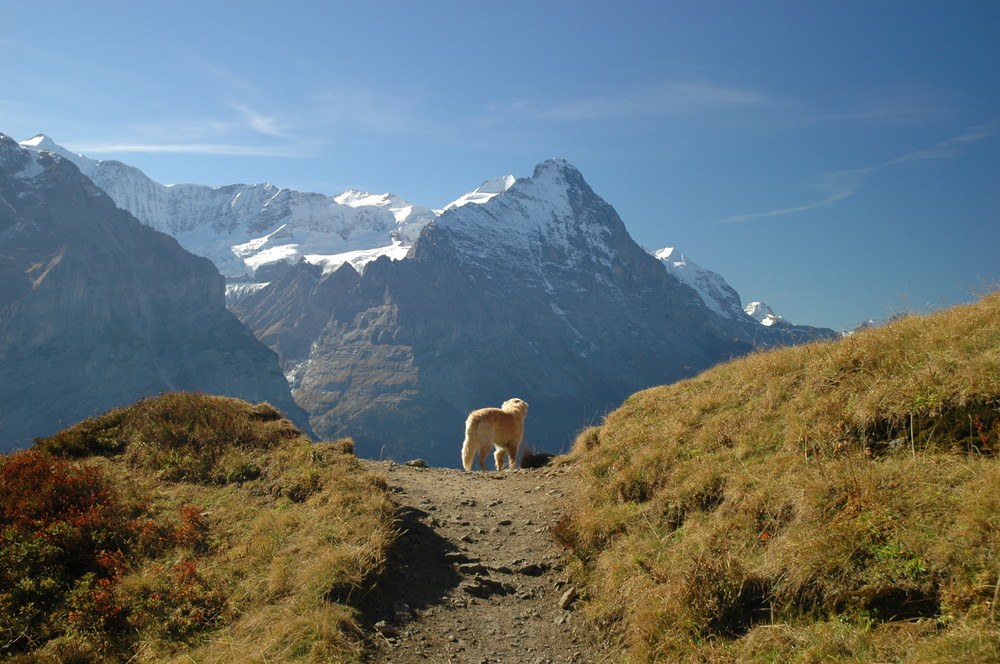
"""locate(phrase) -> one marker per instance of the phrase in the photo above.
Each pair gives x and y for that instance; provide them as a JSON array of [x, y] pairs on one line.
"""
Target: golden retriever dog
[[487, 428]]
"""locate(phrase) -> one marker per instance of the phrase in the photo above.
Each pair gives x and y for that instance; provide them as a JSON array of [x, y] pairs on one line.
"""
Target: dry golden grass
[[831, 502], [291, 535], [296, 568]]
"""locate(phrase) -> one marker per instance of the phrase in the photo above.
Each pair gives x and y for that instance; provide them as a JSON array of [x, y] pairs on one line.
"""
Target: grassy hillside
[[832, 502], [187, 528]]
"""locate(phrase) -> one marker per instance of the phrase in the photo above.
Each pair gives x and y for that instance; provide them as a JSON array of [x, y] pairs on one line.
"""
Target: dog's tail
[[468, 449]]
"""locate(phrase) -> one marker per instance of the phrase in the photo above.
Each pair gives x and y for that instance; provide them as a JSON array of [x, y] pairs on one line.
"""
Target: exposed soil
[[476, 575]]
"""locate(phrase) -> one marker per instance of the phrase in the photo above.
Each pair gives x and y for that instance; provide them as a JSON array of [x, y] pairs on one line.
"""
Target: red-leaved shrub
[[62, 527]]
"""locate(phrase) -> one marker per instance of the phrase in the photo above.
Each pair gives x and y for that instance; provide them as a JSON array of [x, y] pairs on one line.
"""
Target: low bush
[[63, 528]]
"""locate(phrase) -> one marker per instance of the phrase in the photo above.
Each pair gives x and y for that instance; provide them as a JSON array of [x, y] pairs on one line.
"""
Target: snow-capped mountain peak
[[20, 164], [554, 180], [410, 218], [534, 211], [762, 313], [42, 143]]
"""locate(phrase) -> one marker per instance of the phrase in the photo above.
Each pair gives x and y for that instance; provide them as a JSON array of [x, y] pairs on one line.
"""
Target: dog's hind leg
[[498, 456]]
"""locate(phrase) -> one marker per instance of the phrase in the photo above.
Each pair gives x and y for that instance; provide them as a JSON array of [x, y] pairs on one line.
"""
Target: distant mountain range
[[248, 230], [392, 321]]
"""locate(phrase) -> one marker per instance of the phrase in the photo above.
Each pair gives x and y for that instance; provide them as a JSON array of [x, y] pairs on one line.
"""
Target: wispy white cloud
[[951, 148], [223, 78], [248, 133], [826, 201], [261, 123], [233, 116], [183, 130], [241, 129], [891, 106], [188, 148], [838, 186], [843, 184]]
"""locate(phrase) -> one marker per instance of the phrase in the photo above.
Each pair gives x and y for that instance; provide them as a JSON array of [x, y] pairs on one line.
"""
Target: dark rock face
[[97, 310], [539, 293]]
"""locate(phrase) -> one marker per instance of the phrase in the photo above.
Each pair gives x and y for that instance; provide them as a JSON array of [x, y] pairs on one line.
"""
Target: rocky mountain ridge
[[98, 310]]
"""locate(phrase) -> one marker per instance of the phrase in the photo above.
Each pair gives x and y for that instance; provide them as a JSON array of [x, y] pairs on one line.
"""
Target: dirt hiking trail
[[476, 576]]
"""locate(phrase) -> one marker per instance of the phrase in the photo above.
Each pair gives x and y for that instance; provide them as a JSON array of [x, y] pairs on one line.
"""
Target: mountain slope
[[832, 502], [97, 310], [713, 289]]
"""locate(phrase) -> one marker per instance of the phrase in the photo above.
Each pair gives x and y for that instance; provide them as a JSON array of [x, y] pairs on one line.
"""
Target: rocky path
[[476, 576]]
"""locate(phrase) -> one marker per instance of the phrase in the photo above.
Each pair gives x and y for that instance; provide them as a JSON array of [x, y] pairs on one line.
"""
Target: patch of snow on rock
[[484, 192]]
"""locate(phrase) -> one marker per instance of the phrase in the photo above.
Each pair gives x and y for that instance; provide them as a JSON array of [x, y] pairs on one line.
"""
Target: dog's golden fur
[[487, 428]]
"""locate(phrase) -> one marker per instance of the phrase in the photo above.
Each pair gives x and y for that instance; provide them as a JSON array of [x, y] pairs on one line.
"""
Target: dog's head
[[516, 405]]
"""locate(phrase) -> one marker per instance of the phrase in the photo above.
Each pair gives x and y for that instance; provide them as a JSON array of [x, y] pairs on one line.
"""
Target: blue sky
[[837, 160]]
